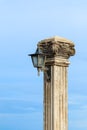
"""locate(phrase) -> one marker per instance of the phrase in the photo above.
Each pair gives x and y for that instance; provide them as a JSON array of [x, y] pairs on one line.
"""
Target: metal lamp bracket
[[48, 73]]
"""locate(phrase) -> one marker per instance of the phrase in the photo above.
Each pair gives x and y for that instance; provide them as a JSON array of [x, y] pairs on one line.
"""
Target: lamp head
[[38, 59]]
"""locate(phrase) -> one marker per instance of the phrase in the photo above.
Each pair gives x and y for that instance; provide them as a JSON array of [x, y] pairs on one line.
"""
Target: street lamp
[[51, 57], [38, 60]]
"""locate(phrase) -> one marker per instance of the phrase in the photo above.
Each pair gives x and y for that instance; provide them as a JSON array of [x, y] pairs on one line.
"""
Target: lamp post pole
[[57, 51]]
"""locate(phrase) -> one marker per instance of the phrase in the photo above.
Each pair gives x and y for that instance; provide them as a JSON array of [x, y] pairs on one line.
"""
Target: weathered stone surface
[[57, 46], [57, 51]]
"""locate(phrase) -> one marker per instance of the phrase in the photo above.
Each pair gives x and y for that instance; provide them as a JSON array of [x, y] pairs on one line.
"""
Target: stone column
[[57, 51]]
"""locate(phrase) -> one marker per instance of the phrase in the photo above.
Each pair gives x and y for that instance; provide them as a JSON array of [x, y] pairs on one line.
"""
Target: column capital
[[57, 47]]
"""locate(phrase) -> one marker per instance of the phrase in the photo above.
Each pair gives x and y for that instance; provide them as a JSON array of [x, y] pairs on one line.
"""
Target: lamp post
[[52, 58]]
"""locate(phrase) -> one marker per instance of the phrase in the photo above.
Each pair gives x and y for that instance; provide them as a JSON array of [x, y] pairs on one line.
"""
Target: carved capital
[[57, 47]]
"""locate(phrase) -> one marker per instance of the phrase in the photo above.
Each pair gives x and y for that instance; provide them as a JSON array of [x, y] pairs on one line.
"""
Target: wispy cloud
[[79, 124], [29, 98], [84, 107], [77, 98]]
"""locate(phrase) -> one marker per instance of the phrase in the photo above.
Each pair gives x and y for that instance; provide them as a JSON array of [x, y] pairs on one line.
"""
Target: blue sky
[[22, 24]]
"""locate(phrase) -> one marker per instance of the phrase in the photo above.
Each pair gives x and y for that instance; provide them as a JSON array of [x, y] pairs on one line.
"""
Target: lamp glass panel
[[41, 59], [35, 61]]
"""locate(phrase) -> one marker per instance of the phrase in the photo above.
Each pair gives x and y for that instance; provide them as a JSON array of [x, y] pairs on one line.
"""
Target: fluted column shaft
[[55, 98]]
